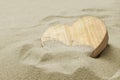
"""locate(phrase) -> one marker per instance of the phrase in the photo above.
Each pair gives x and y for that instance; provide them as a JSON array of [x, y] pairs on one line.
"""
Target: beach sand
[[23, 58]]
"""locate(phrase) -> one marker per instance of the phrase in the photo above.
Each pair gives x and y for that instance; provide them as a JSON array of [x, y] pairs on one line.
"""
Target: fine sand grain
[[22, 57]]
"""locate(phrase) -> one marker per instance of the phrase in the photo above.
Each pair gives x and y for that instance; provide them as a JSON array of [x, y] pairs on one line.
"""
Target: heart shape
[[87, 30]]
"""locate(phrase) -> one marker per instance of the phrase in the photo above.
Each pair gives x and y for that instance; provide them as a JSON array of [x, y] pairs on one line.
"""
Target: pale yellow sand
[[23, 58]]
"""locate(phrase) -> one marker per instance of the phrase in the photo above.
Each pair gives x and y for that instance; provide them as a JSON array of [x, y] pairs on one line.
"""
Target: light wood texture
[[87, 30]]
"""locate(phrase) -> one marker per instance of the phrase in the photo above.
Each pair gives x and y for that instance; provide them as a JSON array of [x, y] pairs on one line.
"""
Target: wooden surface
[[87, 30]]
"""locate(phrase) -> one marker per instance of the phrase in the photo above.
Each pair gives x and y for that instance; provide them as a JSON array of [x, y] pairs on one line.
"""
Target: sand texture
[[22, 57]]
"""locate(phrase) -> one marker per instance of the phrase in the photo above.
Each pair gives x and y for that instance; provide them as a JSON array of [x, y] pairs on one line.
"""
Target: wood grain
[[87, 30]]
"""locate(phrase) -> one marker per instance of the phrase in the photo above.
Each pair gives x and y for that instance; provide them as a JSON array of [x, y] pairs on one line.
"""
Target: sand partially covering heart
[[22, 57]]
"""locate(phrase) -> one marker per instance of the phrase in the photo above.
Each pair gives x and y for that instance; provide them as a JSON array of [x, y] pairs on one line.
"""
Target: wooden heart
[[87, 30]]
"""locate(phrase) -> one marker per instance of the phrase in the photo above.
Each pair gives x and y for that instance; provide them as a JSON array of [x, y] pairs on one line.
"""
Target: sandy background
[[22, 58]]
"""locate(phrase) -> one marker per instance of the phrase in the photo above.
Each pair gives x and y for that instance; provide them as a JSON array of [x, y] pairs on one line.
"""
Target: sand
[[23, 58]]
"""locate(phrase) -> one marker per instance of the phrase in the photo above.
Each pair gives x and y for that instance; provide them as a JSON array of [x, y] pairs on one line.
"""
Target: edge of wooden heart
[[101, 47]]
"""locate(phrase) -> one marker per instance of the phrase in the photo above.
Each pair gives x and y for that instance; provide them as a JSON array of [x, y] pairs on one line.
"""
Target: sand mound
[[55, 56]]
